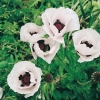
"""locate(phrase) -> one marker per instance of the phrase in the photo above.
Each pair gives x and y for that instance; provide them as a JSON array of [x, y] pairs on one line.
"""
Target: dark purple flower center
[[44, 47], [59, 25], [87, 44], [25, 79], [31, 33]]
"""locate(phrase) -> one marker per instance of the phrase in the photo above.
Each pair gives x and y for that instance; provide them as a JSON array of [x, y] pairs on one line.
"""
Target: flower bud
[[96, 77], [48, 78]]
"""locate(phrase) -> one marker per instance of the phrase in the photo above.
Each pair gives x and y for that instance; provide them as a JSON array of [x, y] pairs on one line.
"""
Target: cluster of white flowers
[[56, 22], [25, 77]]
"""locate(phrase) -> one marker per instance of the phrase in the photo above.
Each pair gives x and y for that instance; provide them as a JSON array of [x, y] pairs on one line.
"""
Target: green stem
[[81, 9], [83, 84], [57, 79], [63, 3], [74, 6], [91, 16], [62, 61]]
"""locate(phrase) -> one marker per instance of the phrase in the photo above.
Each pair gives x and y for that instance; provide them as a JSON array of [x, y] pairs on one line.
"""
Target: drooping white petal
[[50, 56], [90, 58], [35, 89]]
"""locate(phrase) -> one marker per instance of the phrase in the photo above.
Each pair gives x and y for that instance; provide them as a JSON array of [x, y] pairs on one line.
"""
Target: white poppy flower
[[1, 93], [28, 30], [58, 21], [46, 48], [87, 44], [25, 78]]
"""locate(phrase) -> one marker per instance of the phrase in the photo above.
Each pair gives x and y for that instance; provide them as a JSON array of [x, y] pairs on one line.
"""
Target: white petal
[[35, 38], [53, 29], [94, 33], [74, 22], [85, 50], [46, 25], [1, 92], [90, 58], [80, 60], [97, 46], [54, 47], [50, 12], [35, 89], [59, 39], [60, 15], [34, 54], [77, 36], [49, 57]]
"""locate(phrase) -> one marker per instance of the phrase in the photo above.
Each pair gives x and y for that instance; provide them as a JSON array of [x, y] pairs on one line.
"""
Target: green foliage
[[71, 80]]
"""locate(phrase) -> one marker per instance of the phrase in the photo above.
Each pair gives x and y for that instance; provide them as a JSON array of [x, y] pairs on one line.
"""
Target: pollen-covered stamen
[[25, 79], [87, 44], [44, 47], [31, 33], [59, 25]]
